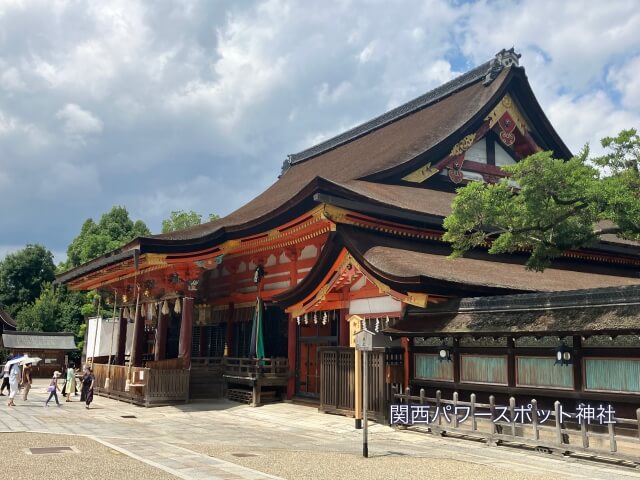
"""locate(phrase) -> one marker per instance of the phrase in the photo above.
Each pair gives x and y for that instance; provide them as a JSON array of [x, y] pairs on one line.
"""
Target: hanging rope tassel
[[165, 308], [143, 312], [177, 308]]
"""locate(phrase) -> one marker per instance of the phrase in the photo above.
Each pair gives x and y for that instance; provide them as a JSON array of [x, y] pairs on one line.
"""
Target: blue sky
[[189, 104]]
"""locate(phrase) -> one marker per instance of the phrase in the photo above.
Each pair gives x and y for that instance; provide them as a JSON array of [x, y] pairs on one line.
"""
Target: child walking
[[53, 389]]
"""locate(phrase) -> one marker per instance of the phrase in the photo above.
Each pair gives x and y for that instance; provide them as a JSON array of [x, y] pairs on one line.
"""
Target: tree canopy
[[114, 229], [179, 220], [23, 274], [548, 205]]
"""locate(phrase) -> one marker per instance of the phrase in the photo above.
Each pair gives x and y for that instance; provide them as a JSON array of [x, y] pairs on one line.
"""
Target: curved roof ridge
[[487, 71]]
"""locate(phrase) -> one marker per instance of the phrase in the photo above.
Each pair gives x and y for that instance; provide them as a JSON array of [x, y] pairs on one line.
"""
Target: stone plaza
[[226, 440]]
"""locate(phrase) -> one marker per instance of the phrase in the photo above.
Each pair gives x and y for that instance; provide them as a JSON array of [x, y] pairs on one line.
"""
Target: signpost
[[364, 343]]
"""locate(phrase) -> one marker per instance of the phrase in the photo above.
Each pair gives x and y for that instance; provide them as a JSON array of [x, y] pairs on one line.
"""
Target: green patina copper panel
[[612, 375], [429, 367], [484, 369], [542, 372]]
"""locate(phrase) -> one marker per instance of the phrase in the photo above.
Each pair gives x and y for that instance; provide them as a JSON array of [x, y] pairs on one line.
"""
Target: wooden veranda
[[152, 387]]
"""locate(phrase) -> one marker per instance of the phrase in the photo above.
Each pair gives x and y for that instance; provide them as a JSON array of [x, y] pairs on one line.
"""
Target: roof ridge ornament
[[503, 59]]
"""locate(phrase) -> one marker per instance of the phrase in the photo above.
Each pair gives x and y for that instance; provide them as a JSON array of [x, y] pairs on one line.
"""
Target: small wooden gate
[[337, 381]]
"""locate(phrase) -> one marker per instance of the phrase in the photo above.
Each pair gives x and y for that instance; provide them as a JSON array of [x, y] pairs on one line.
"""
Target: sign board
[[355, 324], [364, 341]]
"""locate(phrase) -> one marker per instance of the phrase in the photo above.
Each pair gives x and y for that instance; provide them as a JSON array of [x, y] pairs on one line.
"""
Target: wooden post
[[292, 339], [512, 412], [438, 405], [638, 419], [556, 407], [358, 389], [407, 361], [186, 332], [455, 405], [365, 403], [160, 350], [122, 339], [583, 431], [134, 346], [534, 419], [107, 380], [492, 409], [422, 397], [474, 422]]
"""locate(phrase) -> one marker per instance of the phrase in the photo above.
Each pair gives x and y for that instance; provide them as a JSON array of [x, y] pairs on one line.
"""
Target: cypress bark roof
[[592, 311], [39, 340], [7, 321]]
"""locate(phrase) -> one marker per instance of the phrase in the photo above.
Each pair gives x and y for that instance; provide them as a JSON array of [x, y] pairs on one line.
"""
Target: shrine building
[[262, 304]]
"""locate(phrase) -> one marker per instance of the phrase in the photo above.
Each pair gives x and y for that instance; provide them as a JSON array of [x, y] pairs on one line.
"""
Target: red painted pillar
[[186, 332], [291, 343], [407, 361], [139, 338], [122, 340], [343, 327], [229, 332], [161, 337]]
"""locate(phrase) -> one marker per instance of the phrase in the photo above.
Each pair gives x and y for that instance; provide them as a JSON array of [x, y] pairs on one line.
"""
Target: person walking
[[5, 379], [53, 389], [70, 383], [14, 381], [26, 380], [88, 379]]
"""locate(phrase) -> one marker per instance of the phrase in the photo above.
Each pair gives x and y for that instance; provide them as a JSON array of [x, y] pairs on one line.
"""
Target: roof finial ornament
[[286, 165], [503, 59]]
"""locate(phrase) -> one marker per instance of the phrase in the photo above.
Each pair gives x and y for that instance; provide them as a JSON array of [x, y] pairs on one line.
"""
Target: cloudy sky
[[190, 104]]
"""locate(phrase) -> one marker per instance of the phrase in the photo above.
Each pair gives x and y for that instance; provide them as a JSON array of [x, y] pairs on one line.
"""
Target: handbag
[[51, 388]]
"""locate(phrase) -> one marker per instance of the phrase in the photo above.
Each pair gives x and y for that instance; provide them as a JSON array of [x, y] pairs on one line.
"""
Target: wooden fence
[[565, 434], [266, 378], [337, 381], [150, 387], [254, 368], [206, 378]]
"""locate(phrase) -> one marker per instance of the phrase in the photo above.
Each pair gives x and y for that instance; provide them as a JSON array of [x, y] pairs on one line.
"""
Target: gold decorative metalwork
[[463, 145], [421, 174], [417, 299], [155, 259], [507, 105]]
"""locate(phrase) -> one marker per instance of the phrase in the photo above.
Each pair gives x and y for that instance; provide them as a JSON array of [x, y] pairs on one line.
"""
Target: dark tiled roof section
[[39, 340], [395, 114], [527, 301], [603, 320], [6, 319], [382, 149], [399, 262]]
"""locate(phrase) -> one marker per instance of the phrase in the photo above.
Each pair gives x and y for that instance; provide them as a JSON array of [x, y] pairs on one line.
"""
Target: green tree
[[548, 206], [22, 275], [55, 310], [114, 229], [179, 220]]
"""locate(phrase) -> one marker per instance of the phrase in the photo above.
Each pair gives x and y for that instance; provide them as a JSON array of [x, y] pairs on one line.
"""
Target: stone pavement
[[181, 440]]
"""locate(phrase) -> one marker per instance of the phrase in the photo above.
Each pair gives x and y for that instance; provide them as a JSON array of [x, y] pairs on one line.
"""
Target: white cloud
[[194, 104], [78, 121], [626, 79]]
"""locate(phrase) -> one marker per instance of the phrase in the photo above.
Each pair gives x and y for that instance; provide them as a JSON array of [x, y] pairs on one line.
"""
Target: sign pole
[[365, 401]]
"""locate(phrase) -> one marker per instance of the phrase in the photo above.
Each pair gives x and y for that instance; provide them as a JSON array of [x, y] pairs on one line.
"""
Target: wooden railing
[[147, 387], [254, 368], [170, 364], [208, 362], [565, 433]]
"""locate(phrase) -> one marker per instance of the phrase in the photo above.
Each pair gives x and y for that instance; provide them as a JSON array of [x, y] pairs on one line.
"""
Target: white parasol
[[32, 360], [15, 360]]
